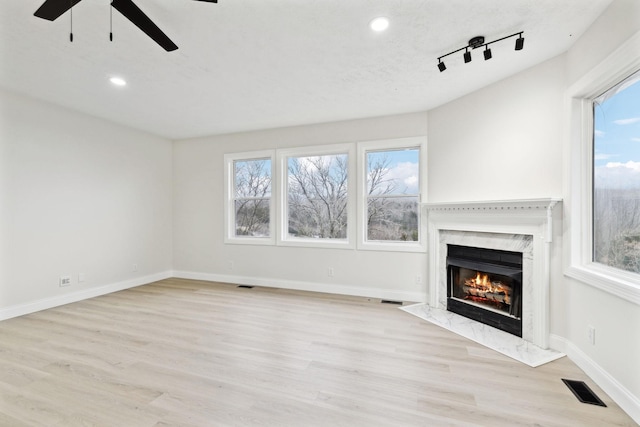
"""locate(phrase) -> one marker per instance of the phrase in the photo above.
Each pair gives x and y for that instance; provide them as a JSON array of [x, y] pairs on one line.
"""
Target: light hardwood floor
[[189, 353]]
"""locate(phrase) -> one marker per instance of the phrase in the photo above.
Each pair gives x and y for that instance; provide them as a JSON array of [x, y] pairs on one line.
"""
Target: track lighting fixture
[[477, 42]]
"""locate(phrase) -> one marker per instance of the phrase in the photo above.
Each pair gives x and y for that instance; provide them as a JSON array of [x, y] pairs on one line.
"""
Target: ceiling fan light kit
[[53, 9], [477, 42]]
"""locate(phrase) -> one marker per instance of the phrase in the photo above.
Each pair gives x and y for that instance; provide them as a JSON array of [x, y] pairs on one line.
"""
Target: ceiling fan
[[53, 9]]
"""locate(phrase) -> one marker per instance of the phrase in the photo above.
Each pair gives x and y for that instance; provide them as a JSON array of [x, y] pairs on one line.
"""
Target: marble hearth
[[524, 226]]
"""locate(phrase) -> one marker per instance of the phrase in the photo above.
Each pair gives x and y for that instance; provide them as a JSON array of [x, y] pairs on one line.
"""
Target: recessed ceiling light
[[118, 81], [379, 24]]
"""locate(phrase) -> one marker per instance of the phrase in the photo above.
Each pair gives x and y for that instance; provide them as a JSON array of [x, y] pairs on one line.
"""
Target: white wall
[[78, 195], [502, 142], [199, 250], [618, 23], [614, 360]]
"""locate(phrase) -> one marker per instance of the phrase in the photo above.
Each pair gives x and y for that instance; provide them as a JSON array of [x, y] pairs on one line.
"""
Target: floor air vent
[[245, 286], [583, 392], [388, 301]]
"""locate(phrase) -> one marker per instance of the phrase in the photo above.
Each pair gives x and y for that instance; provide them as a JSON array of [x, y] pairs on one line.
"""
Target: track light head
[[519, 42], [441, 66], [487, 53], [467, 57]]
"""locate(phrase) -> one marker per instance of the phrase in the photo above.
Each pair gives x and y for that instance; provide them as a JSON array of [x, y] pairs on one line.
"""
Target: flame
[[482, 281], [483, 287]]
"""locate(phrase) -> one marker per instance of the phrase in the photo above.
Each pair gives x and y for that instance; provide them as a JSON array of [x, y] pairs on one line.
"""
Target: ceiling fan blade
[[142, 21], [52, 9], [209, 1]]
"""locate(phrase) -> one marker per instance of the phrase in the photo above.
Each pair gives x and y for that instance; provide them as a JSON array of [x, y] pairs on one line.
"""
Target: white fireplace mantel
[[509, 218], [509, 213]]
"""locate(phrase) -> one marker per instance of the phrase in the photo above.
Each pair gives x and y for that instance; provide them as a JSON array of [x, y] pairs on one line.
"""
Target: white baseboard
[[45, 303], [619, 393], [389, 294]]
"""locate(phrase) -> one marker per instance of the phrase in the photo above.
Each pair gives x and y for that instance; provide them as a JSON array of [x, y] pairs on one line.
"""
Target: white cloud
[[635, 139], [598, 132], [618, 175], [602, 156], [627, 121], [406, 176], [411, 181], [629, 165]]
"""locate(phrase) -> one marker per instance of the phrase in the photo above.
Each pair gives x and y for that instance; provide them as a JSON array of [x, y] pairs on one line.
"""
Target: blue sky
[[617, 138], [403, 168]]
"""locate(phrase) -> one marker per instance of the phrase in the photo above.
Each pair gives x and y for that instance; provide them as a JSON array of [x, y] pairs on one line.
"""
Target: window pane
[[317, 196], [252, 178], [252, 193], [393, 172], [390, 175], [392, 219], [252, 217], [616, 177]]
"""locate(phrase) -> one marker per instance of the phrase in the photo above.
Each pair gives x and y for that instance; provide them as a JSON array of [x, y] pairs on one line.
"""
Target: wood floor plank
[[193, 353]]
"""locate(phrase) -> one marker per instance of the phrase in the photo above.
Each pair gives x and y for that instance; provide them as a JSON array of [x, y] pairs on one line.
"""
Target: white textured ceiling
[[257, 64]]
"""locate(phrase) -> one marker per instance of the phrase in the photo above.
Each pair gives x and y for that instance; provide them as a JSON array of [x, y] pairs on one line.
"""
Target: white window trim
[[229, 207], [283, 238], [390, 144], [619, 65]]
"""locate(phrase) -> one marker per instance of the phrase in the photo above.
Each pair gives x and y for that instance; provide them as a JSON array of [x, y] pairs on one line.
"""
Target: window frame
[[391, 145], [579, 264], [229, 199], [282, 156]]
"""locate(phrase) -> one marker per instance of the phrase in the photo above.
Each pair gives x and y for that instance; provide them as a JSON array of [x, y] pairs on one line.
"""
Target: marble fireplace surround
[[515, 225]]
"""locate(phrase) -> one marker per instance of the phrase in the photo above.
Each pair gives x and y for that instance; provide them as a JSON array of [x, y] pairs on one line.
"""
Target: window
[[329, 197], [249, 201], [392, 195], [602, 200], [317, 196], [616, 176], [391, 183]]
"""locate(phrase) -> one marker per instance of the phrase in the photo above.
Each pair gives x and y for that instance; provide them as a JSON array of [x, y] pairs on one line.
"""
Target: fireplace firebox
[[486, 285]]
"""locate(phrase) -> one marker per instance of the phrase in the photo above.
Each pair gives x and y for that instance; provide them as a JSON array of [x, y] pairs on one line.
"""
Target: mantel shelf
[[498, 205]]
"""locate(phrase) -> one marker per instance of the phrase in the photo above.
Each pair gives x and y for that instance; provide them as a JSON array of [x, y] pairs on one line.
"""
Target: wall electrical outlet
[[230, 265], [418, 279], [330, 271], [64, 281], [134, 267], [81, 277]]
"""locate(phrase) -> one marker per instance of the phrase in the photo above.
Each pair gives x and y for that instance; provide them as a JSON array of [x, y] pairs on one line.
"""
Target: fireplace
[[486, 285], [528, 227]]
